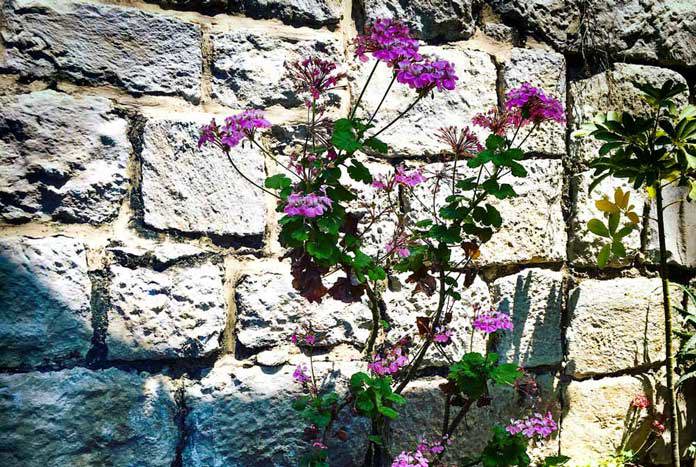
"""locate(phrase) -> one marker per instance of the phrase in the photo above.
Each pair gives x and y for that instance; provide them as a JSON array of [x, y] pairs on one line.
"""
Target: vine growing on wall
[[326, 222]]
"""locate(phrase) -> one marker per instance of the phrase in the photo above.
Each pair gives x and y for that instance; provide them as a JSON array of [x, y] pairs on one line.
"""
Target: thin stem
[[374, 307], [399, 116], [229, 158], [362, 92], [275, 159], [667, 307], [372, 117]]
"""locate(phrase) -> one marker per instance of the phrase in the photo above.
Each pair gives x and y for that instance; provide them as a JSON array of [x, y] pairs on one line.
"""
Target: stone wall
[[144, 311]]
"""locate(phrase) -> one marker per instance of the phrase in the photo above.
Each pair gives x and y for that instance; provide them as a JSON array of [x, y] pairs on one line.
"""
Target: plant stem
[[374, 307], [398, 116], [362, 92], [234, 166], [372, 117], [667, 307]]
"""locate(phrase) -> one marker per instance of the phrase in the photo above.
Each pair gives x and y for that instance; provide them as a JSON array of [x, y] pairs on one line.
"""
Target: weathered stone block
[[429, 20], [680, 228], [269, 311], [583, 245], [83, 417], [61, 157], [614, 325], [545, 69], [196, 190], [414, 134], [534, 300], [252, 68], [44, 302], [180, 312], [596, 418], [230, 410], [141, 52], [612, 91]]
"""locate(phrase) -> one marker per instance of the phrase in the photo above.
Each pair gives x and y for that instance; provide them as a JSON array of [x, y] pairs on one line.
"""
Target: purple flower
[[398, 245], [498, 122], [534, 105], [390, 363], [236, 128], [537, 424], [442, 335], [388, 40], [315, 75], [463, 142], [310, 205], [427, 74], [407, 458], [300, 374], [492, 321], [411, 179]]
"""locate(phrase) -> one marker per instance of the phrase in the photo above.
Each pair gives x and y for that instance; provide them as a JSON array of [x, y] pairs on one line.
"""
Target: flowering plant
[[325, 225]]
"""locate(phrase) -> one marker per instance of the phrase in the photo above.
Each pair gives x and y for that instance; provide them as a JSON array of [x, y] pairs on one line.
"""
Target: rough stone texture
[[83, 417], [440, 20], [680, 225], [614, 325], [414, 135], [595, 419], [44, 301], [159, 257], [269, 310], [238, 57], [583, 245], [423, 415], [547, 70], [403, 307], [534, 300], [196, 190], [232, 405], [180, 312], [140, 52], [533, 229], [610, 91], [61, 158], [660, 31]]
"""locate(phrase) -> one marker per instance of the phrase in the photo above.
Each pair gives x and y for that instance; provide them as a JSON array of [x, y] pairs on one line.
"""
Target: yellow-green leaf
[[603, 256], [605, 205], [597, 227]]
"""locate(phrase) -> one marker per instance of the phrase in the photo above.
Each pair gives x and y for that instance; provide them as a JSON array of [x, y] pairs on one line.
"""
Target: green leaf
[[597, 227], [359, 172], [375, 439], [358, 380], [603, 256], [364, 402], [614, 222], [388, 412], [278, 182], [624, 231], [618, 249], [377, 145], [494, 142], [554, 461], [300, 403], [506, 373], [343, 137], [518, 169]]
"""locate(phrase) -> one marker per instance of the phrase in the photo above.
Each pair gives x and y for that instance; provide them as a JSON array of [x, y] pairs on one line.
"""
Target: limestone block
[[534, 300], [61, 158], [180, 312], [84, 417], [45, 295], [680, 228], [141, 52], [196, 190]]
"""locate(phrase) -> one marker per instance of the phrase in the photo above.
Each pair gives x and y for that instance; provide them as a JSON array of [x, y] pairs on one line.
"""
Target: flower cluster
[[389, 363], [641, 401], [424, 451], [315, 75], [407, 458], [304, 336], [442, 335], [236, 128], [300, 374], [388, 40], [498, 122], [492, 321], [534, 105], [310, 205], [463, 142], [398, 245], [537, 424], [412, 178], [427, 74]]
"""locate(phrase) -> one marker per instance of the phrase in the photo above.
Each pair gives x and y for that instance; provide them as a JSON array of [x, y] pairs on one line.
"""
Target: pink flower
[[463, 142], [379, 183], [640, 402], [319, 445], [411, 179], [315, 75], [236, 128], [442, 335], [492, 321], [398, 245], [427, 74], [498, 122], [534, 105], [537, 424], [300, 374], [390, 363], [310, 339], [406, 459], [310, 205], [388, 40]]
